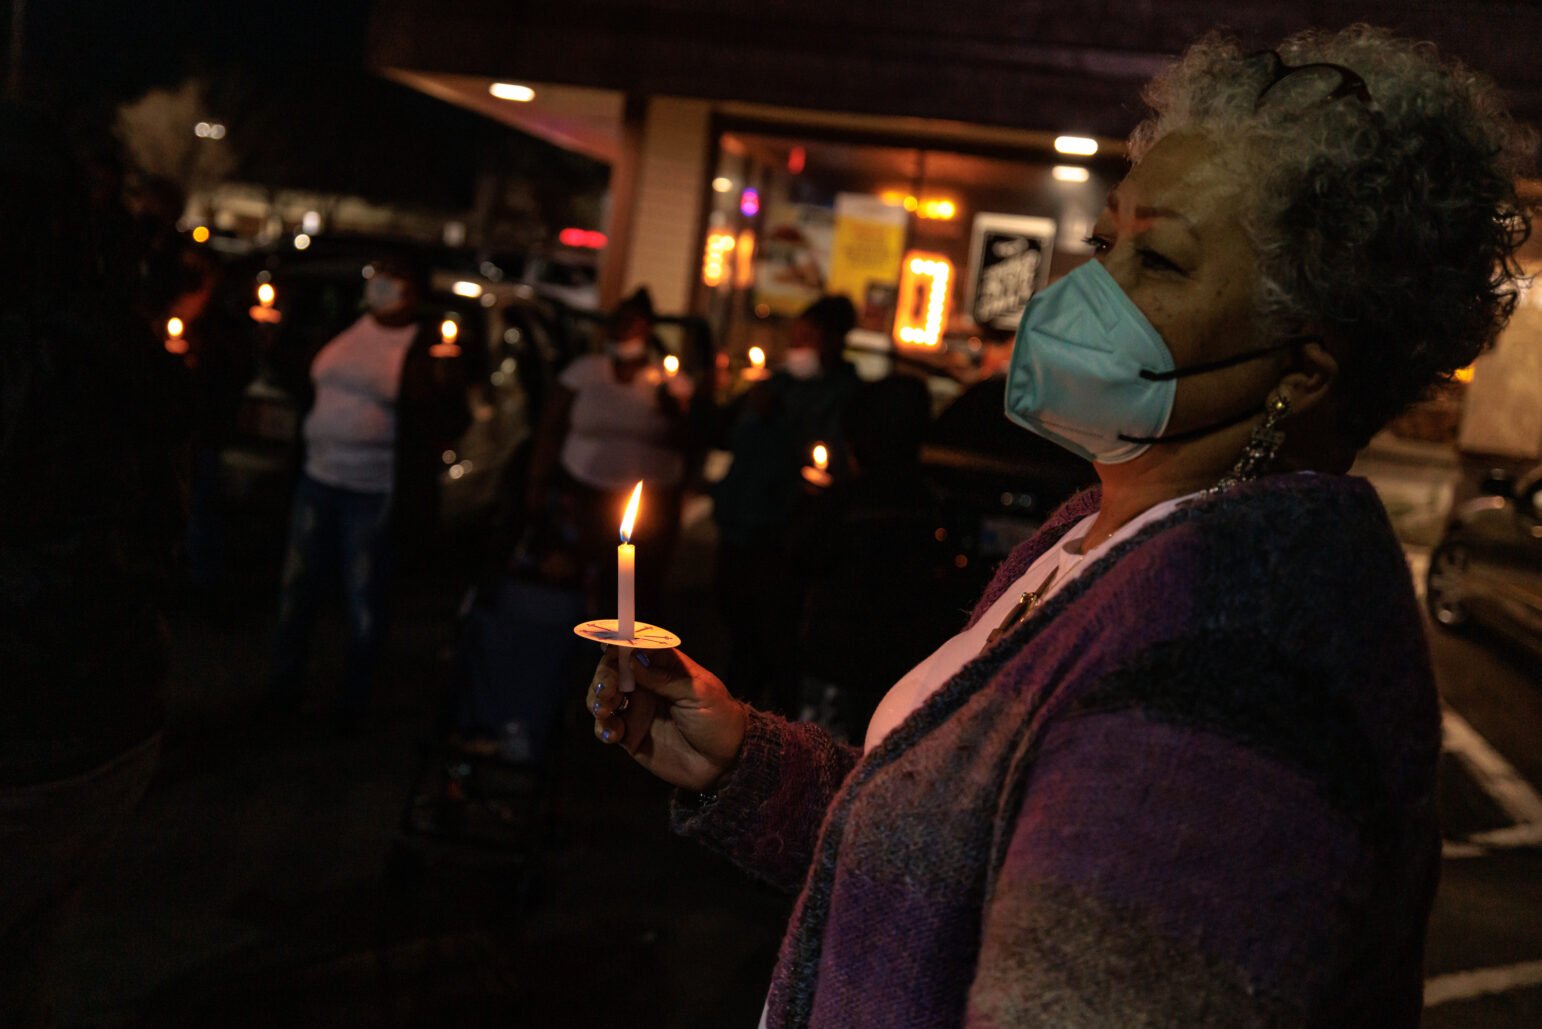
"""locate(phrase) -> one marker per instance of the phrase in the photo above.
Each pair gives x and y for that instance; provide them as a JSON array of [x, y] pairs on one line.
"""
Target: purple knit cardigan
[[1195, 789]]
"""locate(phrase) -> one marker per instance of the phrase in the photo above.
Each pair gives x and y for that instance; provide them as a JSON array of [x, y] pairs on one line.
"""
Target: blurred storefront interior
[[910, 156]]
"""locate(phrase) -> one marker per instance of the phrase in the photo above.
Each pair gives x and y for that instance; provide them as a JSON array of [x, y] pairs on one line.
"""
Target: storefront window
[[933, 246]]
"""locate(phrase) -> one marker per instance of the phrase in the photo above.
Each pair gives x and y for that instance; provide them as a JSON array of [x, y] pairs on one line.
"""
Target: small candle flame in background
[[757, 357], [821, 456], [175, 344], [449, 331], [630, 518], [671, 364]]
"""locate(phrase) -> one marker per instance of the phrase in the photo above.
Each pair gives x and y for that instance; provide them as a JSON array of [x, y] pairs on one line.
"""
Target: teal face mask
[[1090, 373]]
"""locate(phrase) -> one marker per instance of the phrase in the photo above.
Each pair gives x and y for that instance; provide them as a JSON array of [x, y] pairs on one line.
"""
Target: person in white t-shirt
[[615, 419], [381, 401]]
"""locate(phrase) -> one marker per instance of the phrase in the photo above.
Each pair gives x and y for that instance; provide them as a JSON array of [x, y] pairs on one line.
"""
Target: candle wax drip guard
[[646, 637]]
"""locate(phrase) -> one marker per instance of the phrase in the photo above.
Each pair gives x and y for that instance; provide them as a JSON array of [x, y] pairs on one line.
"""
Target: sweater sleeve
[[768, 811], [1164, 872]]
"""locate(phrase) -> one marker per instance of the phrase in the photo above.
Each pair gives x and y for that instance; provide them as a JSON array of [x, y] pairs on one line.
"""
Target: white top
[[350, 433], [617, 434], [1065, 560]]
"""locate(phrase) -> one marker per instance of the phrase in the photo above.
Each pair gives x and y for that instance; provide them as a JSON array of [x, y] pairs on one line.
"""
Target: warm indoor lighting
[[629, 519], [1080, 146], [266, 294], [714, 261], [512, 91], [757, 357], [744, 259], [722, 184], [938, 209], [893, 198], [1069, 173], [923, 299], [671, 364], [302, 241], [821, 456], [467, 289], [200, 234]]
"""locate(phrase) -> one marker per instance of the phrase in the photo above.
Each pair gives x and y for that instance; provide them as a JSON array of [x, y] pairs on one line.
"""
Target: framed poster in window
[[1008, 261]]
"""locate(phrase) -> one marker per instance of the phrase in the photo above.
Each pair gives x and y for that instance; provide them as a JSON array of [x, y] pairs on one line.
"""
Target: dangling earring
[[1262, 446]]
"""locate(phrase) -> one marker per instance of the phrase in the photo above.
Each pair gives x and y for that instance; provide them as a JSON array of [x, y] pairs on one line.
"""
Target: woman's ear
[[1310, 376]]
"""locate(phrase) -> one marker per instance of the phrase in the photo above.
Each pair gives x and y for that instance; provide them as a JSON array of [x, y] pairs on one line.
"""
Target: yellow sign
[[869, 244]]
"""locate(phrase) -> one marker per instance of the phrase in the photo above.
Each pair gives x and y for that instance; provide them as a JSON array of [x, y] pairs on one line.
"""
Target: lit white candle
[[626, 585], [818, 473]]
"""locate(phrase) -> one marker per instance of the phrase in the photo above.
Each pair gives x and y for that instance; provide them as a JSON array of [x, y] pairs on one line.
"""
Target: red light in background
[[796, 159], [589, 239]]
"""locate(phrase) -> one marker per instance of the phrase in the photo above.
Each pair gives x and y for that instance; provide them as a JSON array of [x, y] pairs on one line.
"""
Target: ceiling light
[[512, 91], [1081, 146], [1069, 173]]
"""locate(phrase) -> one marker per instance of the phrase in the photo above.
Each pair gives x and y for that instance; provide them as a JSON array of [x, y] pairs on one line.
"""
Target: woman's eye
[[1156, 262], [1099, 244]]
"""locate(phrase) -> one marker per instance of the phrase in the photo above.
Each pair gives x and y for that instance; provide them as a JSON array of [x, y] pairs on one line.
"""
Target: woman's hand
[[680, 723]]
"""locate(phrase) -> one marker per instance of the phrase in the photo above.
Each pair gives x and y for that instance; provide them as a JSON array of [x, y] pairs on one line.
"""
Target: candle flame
[[821, 456], [448, 330], [630, 519], [266, 294], [671, 364], [174, 327], [757, 357]]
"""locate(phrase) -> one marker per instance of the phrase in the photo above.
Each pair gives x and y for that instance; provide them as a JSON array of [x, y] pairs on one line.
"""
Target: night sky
[[289, 79]]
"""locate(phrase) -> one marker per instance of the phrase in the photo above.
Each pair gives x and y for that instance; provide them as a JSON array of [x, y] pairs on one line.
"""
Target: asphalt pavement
[[271, 876]]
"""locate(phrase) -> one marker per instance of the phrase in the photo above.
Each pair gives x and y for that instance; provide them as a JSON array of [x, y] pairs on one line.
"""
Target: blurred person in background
[[615, 419], [90, 509], [869, 545], [220, 363], [383, 409], [771, 434], [1180, 766]]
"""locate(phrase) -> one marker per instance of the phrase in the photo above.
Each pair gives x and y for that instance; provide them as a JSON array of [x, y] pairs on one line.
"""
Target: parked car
[[1487, 568]]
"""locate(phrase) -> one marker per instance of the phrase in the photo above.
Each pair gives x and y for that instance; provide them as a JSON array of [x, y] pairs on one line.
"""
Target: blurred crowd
[[131, 367]]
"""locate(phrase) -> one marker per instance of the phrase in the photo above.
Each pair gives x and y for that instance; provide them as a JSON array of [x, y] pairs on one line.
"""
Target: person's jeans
[[331, 528]]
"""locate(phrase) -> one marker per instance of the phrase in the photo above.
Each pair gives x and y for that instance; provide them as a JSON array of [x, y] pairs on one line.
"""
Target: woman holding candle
[[1179, 768], [772, 438], [615, 418]]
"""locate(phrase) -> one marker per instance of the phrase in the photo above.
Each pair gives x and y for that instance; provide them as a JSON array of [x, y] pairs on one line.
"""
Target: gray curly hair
[[1392, 225]]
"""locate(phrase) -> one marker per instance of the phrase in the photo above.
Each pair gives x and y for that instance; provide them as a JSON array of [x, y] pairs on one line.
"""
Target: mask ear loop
[[1227, 362], [1210, 366]]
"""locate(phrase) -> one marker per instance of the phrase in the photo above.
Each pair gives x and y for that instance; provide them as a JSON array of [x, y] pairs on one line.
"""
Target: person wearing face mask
[[1179, 766], [771, 435], [383, 409], [616, 418]]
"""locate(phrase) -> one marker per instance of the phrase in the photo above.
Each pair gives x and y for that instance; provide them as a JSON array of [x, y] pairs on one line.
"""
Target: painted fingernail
[[595, 707], [599, 687], [605, 735], [642, 659]]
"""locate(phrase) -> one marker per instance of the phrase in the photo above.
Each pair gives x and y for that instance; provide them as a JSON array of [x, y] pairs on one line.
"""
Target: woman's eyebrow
[[1139, 217]]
